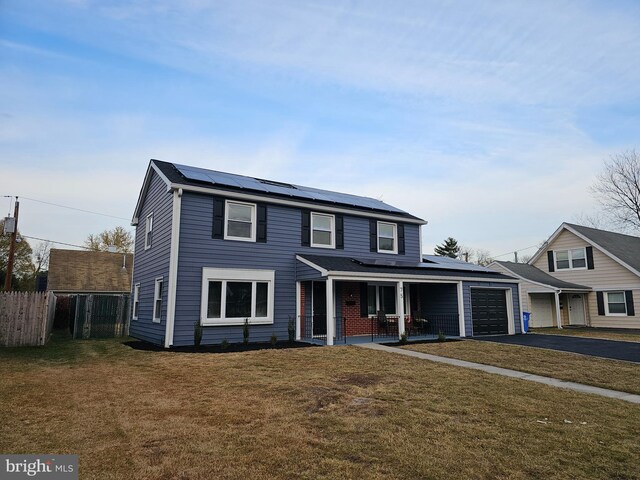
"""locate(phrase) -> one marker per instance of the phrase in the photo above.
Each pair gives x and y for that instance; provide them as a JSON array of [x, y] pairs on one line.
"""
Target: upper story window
[[387, 237], [240, 221], [323, 231], [148, 230], [571, 259], [157, 300], [616, 303], [229, 296]]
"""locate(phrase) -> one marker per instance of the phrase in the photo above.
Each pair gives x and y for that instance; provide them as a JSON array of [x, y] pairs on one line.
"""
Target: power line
[[512, 251], [53, 241], [74, 208]]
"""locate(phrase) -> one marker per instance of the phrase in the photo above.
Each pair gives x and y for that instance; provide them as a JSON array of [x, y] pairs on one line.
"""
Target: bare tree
[[618, 188], [119, 238], [483, 257], [41, 256], [525, 258], [466, 253]]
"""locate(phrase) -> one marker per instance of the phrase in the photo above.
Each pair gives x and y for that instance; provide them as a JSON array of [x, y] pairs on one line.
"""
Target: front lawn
[[606, 333], [613, 374], [334, 412]]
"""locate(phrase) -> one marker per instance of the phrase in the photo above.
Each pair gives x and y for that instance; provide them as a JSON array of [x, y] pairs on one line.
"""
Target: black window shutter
[[340, 232], [306, 228], [600, 301], [261, 228], [364, 301], [373, 235], [401, 239], [218, 217], [589, 258], [628, 295], [550, 258]]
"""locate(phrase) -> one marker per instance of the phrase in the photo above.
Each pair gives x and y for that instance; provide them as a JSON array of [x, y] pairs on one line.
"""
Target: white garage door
[[541, 309]]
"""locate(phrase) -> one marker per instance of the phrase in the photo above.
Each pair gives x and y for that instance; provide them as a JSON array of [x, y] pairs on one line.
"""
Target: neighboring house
[[218, 249], [86, 272], [582, 276], [92, 291]]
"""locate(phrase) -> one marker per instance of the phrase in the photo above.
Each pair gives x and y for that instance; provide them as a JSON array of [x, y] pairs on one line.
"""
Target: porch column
[[461, 326], [298, 318], [331, 319], [400, 303], [558, 317]]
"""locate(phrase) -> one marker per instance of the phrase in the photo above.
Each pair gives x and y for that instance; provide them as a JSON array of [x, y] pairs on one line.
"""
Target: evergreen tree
[[449, 248]]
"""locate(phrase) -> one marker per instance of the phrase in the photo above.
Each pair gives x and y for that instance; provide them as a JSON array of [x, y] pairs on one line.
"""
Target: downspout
[[558, 317]]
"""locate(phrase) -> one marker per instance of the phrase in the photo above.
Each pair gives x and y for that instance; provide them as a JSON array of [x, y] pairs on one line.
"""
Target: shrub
[[292, 330], [224, 345], [197, 334], [441, 336], [403, 338], [273, 339], [245, 331]]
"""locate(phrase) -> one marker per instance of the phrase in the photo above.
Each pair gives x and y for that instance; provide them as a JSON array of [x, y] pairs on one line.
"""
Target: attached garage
[[542, 306], [489, 312]]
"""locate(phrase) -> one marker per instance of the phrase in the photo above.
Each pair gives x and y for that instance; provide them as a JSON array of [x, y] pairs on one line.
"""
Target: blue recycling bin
[[526, 316]]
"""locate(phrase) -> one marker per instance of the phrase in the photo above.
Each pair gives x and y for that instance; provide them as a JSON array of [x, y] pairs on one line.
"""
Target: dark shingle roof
[[624, 247], [352, 265], [529, 272], [268, 188]]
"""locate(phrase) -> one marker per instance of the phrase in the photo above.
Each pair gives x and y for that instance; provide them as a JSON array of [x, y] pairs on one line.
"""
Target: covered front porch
[[346, 311]]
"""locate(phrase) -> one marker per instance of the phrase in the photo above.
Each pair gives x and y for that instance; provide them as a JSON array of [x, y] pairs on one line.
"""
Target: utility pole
[[12, 249]]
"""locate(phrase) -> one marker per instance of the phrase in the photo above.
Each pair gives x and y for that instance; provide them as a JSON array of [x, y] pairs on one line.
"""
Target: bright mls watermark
[[51, 467]]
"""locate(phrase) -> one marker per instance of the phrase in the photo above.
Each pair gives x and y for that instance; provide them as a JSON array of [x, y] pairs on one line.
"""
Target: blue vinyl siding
[[284, 224], [154, 262], [438, 299], [305, 272], [466, 294]]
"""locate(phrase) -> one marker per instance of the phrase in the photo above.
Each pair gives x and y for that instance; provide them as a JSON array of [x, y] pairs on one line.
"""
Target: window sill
[[235, 322], [330, 247], [241, 239], [388, 252]]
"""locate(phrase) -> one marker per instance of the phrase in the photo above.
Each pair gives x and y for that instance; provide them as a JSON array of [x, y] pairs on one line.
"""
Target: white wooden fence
[[26, 318]]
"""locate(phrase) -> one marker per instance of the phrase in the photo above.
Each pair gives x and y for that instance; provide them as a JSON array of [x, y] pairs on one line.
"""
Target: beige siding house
[[583, 276]]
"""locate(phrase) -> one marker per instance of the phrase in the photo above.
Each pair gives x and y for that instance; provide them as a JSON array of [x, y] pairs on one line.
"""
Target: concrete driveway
[[612, 349]]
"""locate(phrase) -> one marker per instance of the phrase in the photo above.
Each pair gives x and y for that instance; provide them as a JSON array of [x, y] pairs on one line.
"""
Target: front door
[[576, 309], [319, 308]]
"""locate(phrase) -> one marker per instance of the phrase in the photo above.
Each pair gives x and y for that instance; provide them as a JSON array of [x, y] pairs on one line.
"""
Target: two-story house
[[219, 250], [581, 276]]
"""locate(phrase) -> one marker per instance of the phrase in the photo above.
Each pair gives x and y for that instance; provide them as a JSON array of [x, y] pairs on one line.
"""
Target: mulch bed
[[231, 347]]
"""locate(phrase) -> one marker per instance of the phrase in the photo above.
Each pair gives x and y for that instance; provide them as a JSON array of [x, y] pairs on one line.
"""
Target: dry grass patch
[[613, 374], [335, 412], [590, 332]]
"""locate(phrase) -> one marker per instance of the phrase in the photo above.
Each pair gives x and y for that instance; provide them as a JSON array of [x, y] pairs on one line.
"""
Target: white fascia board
[[527, 280], [546, 244], [293, 203], [145, 189], [322, 271], [372, 277]]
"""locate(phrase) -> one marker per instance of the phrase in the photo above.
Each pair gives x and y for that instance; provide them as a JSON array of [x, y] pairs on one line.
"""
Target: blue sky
[[488, 119]]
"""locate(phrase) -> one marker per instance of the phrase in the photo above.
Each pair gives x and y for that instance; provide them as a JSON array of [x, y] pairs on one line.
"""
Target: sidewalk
[[554, 382]]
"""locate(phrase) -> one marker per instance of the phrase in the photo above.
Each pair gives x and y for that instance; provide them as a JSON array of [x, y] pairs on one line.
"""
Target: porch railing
[[425, 325]]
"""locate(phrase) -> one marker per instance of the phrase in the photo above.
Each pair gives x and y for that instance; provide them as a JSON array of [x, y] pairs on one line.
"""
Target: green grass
[[334, 412]]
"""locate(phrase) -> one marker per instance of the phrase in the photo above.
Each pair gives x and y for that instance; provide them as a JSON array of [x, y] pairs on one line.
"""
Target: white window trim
[[254, 209], [377, 287], [136, 300], [234, 275], [606, 304], [148, 228], [570, 257], [395, 238], [333, 230], [157, 316]]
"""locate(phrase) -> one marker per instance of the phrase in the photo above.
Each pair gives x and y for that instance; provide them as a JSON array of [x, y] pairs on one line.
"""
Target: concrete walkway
[[554, 382]]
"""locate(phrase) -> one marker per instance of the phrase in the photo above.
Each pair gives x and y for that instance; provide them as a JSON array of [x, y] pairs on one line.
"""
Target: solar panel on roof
[[280, 188]]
